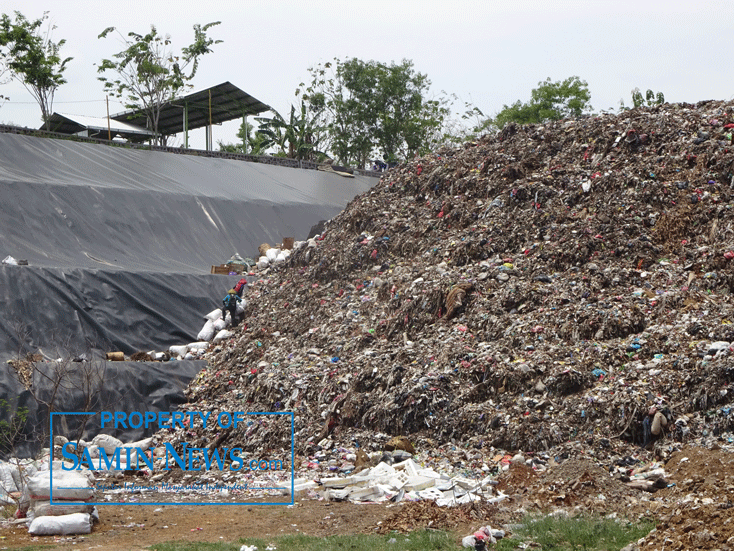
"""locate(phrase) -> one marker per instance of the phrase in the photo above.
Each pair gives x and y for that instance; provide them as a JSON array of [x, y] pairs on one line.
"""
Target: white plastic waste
[[107, 442], [223, 334], [10, 261], [69, 485], [201, 345], [207, 332], [64, 525], [45, 509], [214, 315], [272, 254], [178, 351]]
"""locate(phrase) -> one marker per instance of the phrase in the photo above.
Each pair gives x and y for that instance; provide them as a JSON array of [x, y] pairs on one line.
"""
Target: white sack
[[77, 486], [178, 350], [193, 346], [77, 523], [214, 315], [220, 324], [272, 254], [207, 332], [223, 334], [45, 509], [107, 443]]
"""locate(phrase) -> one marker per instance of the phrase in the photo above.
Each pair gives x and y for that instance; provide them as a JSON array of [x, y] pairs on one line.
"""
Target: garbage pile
[[547, 284]]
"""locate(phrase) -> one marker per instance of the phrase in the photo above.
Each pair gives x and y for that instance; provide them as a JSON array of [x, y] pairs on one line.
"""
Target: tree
[[549, 101], [295, 138], [32, 58], [254, 144], [374, 109], [651, 99], [149, 75]]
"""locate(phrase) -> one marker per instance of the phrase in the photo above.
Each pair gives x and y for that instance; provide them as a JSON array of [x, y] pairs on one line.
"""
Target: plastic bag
[[107, 443], [223, 334], [214, 315], [76, 523], [207, 332]]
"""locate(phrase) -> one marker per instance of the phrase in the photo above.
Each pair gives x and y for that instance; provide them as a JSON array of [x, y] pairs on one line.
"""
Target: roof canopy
[[97, 127], [196, 109]]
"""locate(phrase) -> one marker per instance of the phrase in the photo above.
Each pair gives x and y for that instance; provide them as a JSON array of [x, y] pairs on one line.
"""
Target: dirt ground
[[694, 511], [139, 526]]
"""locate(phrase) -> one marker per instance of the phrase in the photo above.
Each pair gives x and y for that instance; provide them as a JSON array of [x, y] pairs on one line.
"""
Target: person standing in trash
[[230, 305], [240, 287], [653, 426]]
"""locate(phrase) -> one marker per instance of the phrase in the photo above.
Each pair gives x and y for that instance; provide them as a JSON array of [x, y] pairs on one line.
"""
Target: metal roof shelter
[[220, 103], [97, 127]]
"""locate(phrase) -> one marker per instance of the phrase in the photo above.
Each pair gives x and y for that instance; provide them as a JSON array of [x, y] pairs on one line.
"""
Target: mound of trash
[[547, 284]]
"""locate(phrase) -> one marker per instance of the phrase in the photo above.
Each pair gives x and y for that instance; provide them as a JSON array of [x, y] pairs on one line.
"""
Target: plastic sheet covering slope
[[65, 311], [66, 203], [128, 386]]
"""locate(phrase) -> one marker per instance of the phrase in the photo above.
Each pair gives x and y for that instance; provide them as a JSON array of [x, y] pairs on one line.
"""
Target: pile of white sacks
[[215, 329], [28, 484], [274, 256]]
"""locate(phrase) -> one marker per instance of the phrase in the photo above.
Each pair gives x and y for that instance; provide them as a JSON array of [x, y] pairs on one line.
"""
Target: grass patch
[[423, 540], [578, 533]]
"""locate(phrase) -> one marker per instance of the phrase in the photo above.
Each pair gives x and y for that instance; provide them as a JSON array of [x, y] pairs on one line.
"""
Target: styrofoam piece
[[465, 483], [468, 498], [398, 480], [430, 494], [497, 499], [382, 469], [417, 483], [489, 481], [430, 473], [364, 494], [303, 487], [409, 466], [337, 495], [337, 482]]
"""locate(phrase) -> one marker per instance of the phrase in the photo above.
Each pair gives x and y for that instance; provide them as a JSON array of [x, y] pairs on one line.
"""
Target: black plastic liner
[[127, 387]]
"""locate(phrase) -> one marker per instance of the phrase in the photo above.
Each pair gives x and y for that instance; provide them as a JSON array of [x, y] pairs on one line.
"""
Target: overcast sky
[[490, 53]]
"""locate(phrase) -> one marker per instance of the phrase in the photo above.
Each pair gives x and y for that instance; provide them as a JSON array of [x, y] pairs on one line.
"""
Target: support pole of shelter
[[209, 128], [186, 124], [109, 130], [244, 129]]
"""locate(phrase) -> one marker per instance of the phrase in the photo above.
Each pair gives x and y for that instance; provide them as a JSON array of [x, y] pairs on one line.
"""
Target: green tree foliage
[[250, 144], [149, 74], [651, 99], [30, 56], [295, 138], [373, 109], [549, 101]]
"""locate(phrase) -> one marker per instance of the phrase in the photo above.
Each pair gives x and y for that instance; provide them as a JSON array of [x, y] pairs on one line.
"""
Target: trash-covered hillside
[[544, 285]]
